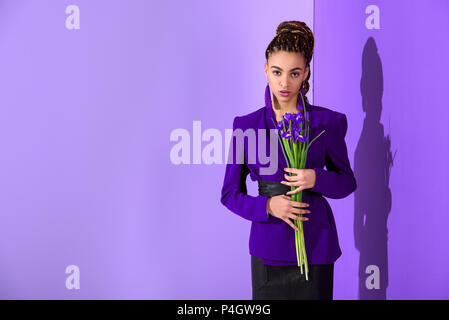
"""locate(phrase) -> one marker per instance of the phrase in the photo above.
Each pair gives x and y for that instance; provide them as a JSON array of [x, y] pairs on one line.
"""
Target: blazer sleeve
[[234, 194], [338, 180]]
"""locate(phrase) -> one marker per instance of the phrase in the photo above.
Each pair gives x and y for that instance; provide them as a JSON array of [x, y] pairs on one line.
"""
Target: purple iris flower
[[280, 125], [298, 117], [284, 124], [286, 135], [289, 116], [297, 136]]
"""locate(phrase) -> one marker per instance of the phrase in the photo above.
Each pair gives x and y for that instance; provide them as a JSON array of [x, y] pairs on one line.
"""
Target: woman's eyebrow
[[290, 70]]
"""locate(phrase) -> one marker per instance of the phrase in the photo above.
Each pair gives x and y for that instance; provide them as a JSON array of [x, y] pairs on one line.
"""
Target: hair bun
[[291, 27], [297, 28]]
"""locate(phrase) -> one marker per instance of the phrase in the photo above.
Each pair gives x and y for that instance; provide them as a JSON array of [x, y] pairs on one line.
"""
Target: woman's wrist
[[268, 206]]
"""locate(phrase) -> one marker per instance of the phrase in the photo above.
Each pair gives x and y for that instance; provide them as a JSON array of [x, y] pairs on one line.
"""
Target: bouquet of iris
[[293, 134]]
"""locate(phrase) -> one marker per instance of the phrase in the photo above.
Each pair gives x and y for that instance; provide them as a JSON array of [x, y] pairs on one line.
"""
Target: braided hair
[[294, 36]]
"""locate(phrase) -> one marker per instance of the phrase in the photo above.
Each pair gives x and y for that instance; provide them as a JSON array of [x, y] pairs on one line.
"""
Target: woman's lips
[[284, 93]]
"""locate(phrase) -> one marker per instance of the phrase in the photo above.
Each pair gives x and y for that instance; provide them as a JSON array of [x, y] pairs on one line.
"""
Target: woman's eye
[[295, 74]]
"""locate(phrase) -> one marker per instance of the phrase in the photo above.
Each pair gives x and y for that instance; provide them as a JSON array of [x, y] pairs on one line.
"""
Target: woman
[[274, 268]]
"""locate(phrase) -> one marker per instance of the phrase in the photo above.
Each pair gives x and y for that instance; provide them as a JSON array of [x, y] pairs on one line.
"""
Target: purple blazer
[[271, 238]]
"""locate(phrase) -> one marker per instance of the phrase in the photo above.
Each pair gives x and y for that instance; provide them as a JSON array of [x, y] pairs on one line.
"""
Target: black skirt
[[287, 282]]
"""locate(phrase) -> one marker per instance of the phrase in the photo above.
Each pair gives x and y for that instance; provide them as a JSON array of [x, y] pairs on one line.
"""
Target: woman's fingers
[[294, 191], [292, 183], [295, 204], [299, 204], [295, 217], [292, 170], [287, 220], [300, 211], [291, 224], [290, 178]]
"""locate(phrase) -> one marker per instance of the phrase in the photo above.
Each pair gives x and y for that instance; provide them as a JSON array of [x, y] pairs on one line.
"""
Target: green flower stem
[[305, 257], [299, 254], [303, 155], [295, 155], [297, 238], [288, 150], [301, 240], [314, 140]]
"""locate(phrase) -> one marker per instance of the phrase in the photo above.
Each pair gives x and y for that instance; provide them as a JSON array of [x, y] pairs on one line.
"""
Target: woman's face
[[286, 71]]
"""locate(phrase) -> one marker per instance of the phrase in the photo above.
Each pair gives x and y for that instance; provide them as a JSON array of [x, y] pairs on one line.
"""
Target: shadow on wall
[[372, 163]]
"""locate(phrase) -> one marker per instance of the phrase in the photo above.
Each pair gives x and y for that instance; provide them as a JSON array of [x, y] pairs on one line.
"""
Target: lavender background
[[398, 74], [86, 117]]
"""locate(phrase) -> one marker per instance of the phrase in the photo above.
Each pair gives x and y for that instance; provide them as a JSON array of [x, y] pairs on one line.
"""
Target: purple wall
[[85, 123], [392, 84], [87, 176]]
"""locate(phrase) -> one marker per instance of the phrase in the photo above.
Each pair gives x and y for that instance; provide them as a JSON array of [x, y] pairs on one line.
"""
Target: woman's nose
[[283, 83]]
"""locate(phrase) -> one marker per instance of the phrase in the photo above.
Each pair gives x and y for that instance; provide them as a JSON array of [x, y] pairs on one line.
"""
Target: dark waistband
[[272, 188]]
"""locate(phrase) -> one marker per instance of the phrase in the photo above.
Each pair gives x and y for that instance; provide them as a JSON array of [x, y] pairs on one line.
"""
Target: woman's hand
[[283, 207], [304, 179]]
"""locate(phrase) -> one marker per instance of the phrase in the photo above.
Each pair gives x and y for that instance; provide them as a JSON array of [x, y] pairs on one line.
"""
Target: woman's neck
[[282, 109]]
